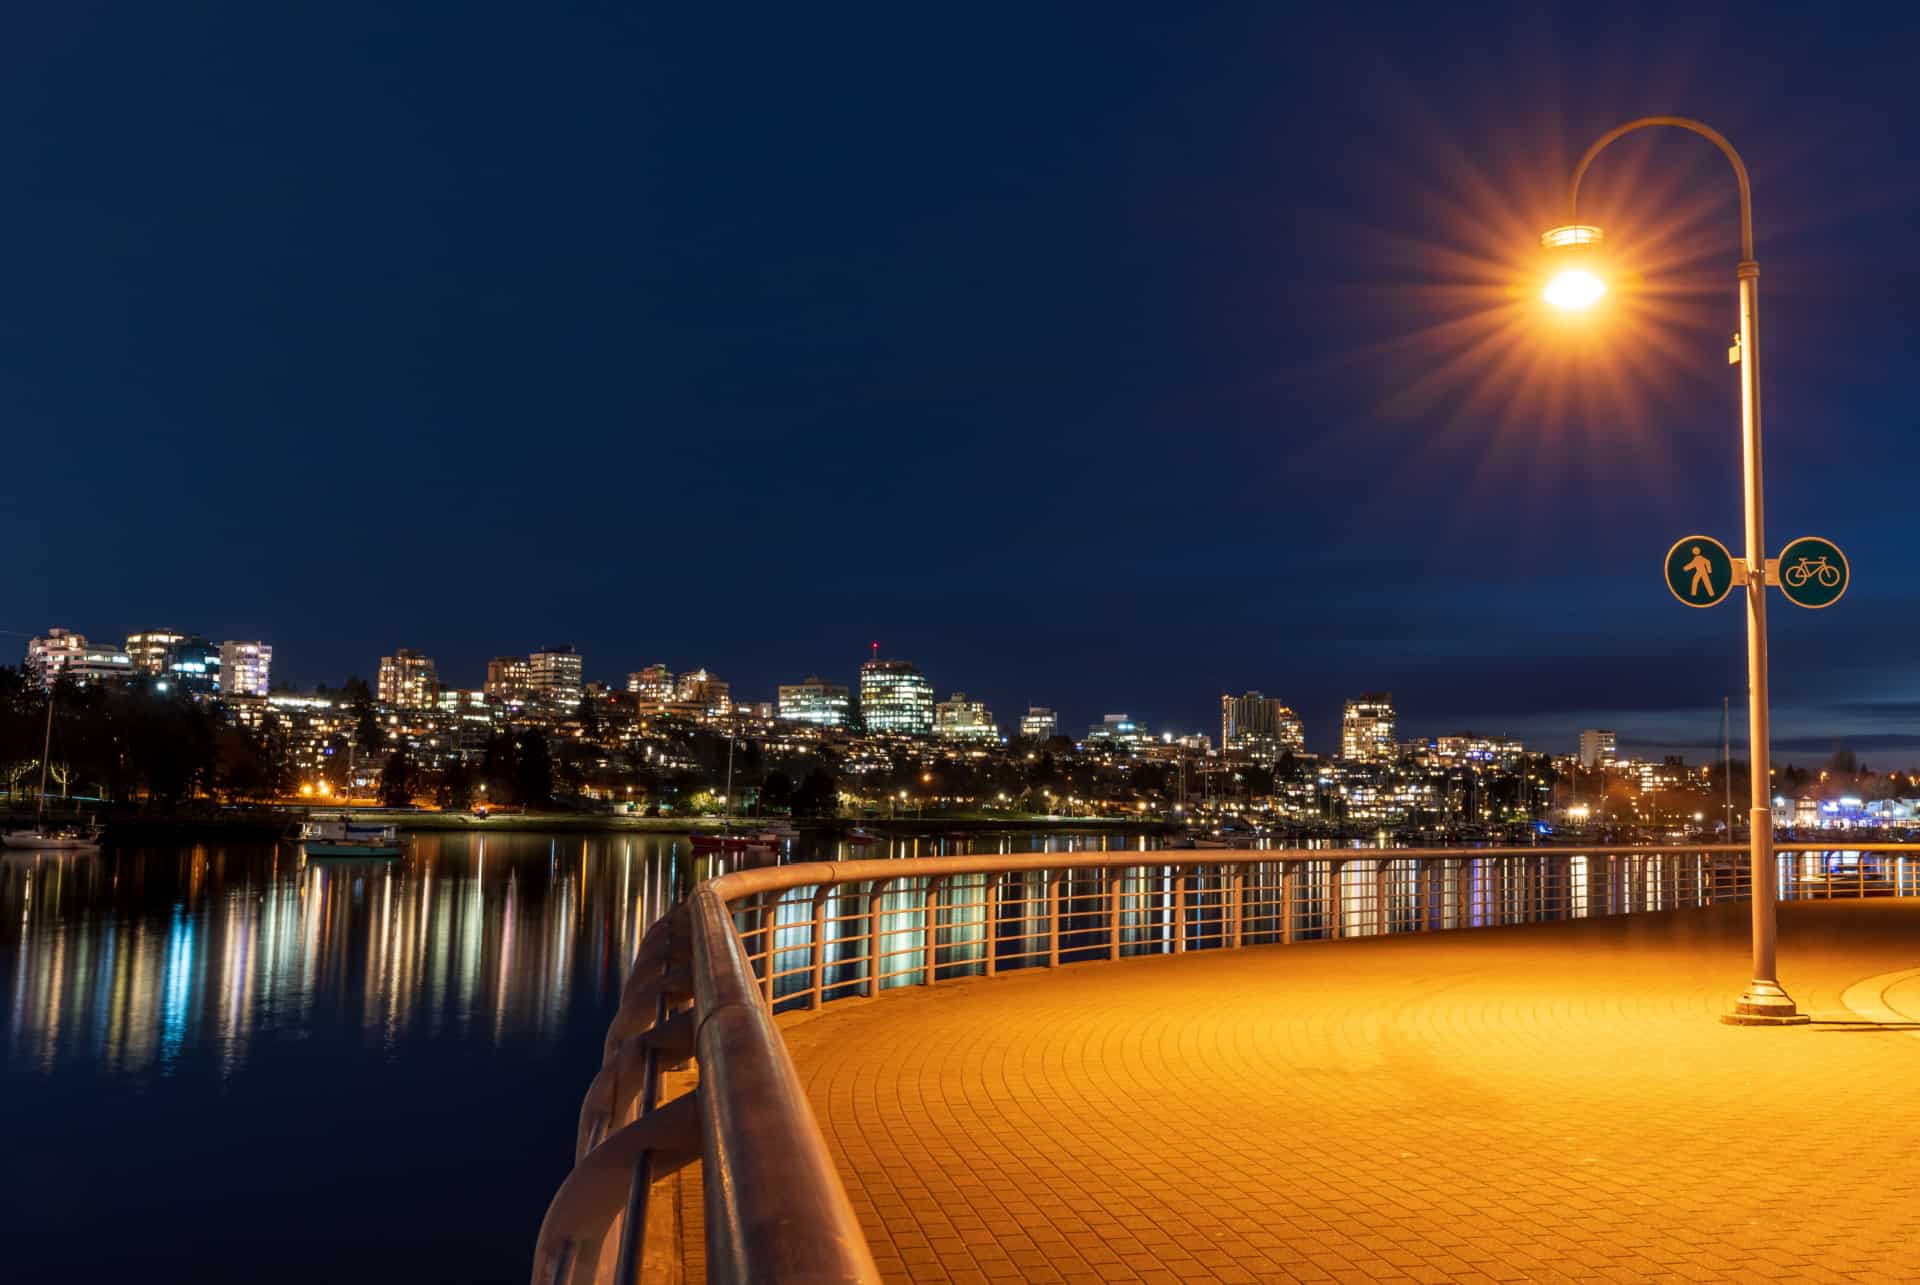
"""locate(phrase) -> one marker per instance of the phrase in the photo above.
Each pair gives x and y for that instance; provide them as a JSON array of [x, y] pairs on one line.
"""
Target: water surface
[[227, 1063]]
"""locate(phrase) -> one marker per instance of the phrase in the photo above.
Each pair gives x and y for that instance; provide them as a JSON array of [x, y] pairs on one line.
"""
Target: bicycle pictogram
[[1817, 569]]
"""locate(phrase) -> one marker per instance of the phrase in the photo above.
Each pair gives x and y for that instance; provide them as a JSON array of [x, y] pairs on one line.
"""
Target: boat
[[765, 839], [342, 838], [66, 838], [860, 838], [63, 838], [735, 842]]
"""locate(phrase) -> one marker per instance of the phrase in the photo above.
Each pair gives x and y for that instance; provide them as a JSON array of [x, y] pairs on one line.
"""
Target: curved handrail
[[767, 1171], [740, 884]]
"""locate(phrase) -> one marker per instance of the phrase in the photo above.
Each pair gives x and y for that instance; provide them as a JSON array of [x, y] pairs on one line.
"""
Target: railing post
[[769, 912], [1383, 921], [873, 937], [1423, 892], [818, 988], [1237, 902], [991, 932], [1289, 891], [1114, 884], [1179, 924], [1053, 919], [1335, 869], [930, 916]]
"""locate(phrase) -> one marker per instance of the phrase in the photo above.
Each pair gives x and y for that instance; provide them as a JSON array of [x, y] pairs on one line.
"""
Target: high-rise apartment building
[[895, 697], [408, 680], [556, 675], [702, 695], [1366, 729], [188, 660], [509, 680], [151, 651], [61, 653], [815, 701], [1597, 748], [195, 666], [1260, 727], [1039, 722], [958, 719], [245, 668], [654, 684]]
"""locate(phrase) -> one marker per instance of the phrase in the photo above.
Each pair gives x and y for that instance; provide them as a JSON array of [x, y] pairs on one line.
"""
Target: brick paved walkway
[[1544, 1103]]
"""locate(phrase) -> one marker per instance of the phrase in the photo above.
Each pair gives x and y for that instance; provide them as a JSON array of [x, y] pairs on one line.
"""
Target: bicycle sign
[[1699, 570], [1813, 572]]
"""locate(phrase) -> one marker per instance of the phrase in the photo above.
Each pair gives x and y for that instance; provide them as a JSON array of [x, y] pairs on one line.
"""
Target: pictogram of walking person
[[1702, 585]]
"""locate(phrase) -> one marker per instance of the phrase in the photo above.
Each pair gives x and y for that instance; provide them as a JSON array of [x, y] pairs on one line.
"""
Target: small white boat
[[342, 838], [61, 838]]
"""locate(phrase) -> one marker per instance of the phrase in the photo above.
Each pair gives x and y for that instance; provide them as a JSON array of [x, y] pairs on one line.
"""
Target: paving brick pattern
[[1544, 1103]]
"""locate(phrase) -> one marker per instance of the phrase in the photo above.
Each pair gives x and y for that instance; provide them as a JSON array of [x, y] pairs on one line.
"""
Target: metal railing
[[709, 977]]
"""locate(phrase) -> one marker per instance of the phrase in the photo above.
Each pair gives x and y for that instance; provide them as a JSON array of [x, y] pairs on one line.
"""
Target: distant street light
[[1578, 286]]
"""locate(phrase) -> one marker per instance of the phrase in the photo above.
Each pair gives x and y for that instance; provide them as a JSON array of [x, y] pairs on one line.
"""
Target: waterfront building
[[1597, 749], [1260, 727], [194, 666], [653, 685], [895, 697], [1469, 749], [701, 695], [509, 679], [958, 719], [151, 651], [815, 701], [1366, 729], [408, 680], [245, 668], [1039, 723], [1120, 732], [188, 660], [62, 653], [556, 675]]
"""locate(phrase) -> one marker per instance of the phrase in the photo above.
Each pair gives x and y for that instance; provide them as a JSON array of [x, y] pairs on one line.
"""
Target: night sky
[[1101, 356]]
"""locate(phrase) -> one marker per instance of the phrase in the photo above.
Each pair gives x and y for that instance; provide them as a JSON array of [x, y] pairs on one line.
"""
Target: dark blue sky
[[1100, 356]]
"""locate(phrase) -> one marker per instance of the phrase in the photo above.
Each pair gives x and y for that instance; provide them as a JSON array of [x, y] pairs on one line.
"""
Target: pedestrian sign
[[1699, 571], [1813, 572]]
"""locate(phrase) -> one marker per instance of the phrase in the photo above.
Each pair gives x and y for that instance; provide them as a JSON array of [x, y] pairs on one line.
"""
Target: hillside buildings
[[895, 697], [815, 701], [1366, 729], [408, 680], [61, 653], [1261, 728]]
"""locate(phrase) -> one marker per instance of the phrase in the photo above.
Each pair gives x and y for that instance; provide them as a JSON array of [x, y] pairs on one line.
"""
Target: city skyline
[[405, 676]]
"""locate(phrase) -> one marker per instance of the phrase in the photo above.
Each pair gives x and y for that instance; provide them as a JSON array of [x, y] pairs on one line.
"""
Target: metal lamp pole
[[1764, 1000]]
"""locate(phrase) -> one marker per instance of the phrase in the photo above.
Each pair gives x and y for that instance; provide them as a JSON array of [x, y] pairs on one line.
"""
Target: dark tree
[[396, 780], [533, 776], [777, 791], [455, 787], [818, 795]]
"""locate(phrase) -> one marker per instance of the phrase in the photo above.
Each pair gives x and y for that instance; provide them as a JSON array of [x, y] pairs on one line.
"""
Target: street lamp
[[1577, 286]]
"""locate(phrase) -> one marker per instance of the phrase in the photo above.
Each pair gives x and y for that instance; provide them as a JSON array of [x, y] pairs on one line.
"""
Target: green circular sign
[[1699, 570], [1813, 572]]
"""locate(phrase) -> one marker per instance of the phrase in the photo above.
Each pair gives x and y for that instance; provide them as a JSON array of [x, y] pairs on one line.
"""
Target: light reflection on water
[[139, 961], [155, 962]]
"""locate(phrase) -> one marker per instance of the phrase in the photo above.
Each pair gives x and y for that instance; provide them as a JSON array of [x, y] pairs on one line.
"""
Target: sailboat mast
[[46, 749]]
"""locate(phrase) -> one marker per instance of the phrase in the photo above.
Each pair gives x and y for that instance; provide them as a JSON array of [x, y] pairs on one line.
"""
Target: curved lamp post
[[1578, 285]]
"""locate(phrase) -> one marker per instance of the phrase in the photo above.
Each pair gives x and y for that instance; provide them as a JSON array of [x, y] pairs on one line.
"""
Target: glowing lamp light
[[1575, 287]]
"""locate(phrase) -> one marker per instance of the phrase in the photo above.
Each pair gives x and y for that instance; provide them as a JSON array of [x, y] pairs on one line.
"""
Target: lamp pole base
[[1765, 1004]]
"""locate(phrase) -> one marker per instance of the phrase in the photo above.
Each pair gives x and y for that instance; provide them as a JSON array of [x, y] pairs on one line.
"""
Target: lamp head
[[1574, 284]]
